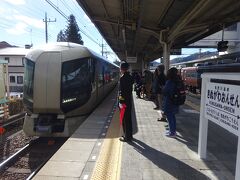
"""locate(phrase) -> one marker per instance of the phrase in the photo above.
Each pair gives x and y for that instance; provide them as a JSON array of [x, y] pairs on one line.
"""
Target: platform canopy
[[133, 27]]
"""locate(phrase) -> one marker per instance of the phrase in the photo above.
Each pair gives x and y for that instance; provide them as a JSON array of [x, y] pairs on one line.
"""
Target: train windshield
[[28, 82], [76, 84]]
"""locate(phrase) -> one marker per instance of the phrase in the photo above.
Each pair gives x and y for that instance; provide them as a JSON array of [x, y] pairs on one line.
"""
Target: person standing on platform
[[125, 98], [148, 83], [138, 85], [160, 82], [155, 88], [169, 108]]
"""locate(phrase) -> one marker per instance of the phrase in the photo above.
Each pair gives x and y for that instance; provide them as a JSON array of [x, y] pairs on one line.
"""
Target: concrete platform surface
[[151, 155]]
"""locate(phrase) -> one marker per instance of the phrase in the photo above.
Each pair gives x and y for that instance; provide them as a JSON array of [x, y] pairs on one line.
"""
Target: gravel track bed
[[38, 153]]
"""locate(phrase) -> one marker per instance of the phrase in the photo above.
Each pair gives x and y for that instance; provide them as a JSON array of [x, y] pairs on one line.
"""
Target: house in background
[[15, 58]]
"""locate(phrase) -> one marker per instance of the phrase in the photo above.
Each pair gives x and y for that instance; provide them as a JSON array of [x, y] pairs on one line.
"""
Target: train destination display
[[222, 105]]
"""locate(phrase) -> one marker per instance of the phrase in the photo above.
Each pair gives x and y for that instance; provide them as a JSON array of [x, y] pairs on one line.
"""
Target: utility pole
[[102, 47], [46, 21], [199, 55]]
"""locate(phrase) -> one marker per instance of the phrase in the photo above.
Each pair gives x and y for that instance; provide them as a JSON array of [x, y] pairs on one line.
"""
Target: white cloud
[[9, 18], [37, 23], [19, 29], [23, 24], [16, 2], [2, 10]]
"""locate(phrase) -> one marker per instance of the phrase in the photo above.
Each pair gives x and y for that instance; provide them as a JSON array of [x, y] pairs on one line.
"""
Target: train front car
[[191, 78], [60, 82]]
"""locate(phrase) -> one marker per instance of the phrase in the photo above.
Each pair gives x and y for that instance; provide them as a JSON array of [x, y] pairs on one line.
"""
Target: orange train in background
[[192, 75]]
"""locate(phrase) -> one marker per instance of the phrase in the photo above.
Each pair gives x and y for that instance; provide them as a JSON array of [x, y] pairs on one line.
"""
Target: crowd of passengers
[[157, 86]]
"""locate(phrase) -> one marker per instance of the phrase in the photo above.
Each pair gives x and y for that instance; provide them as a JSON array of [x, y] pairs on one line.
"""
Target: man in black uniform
[[125, 97]]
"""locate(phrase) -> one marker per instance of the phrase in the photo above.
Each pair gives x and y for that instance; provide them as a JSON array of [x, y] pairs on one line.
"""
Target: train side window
[[92, 70], [19, 80], [28, 83], [115, 74], [101, 75], [12, 79], [106, 74]]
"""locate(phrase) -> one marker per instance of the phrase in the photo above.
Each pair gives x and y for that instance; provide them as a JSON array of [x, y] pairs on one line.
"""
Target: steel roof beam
[[186, 18], [128, 24], [139, 23], [165, 11]]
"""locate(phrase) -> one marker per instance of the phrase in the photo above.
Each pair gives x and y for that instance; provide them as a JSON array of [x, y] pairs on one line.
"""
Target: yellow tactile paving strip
[[109, 161]]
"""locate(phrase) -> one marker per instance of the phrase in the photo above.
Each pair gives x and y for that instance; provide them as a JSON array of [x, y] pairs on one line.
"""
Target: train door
[[101, 81]]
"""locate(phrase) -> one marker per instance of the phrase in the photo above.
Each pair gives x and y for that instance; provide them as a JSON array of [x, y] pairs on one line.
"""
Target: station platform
[[95, 152]]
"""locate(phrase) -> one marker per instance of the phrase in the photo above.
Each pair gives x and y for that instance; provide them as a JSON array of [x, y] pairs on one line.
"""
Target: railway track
[[24, 163], [193, 100]]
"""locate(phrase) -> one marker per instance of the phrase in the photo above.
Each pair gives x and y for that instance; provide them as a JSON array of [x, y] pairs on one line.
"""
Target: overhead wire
[[58, 9], [74, 2], [36, 10]]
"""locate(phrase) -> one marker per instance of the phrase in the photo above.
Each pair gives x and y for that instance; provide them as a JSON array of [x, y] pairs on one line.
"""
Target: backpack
[[179, 94]]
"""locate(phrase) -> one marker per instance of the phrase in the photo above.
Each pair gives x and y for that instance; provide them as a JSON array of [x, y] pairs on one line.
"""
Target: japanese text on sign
[[223, 105]]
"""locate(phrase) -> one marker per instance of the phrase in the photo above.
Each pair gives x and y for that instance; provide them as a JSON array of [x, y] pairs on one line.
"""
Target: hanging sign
[[131, 59]]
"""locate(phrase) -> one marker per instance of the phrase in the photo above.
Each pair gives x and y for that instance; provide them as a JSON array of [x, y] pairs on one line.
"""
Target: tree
[[72, 31], [61, 37], [71, 34]]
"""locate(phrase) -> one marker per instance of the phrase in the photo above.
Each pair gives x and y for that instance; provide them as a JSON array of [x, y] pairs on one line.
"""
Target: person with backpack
[[173, 96]]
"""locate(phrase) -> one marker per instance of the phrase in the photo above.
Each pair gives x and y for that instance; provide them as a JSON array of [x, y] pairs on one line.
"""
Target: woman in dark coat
[[169, 108]]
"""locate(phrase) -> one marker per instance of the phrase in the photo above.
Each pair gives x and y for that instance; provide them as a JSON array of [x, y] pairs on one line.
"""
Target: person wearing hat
[[125, 97]]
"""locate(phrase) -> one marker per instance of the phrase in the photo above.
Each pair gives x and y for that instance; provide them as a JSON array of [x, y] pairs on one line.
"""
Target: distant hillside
[[194, 57], [4, 44]]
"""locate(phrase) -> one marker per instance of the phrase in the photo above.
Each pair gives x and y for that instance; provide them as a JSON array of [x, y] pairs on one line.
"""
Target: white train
[[62, 81]]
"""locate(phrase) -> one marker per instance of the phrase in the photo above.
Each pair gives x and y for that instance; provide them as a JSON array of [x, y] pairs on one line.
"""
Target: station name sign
[[176, 51], [222, 105], [131, 59]]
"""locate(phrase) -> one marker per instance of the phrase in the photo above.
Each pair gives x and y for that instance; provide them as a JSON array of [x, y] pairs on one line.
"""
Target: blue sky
[[22, 23]]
